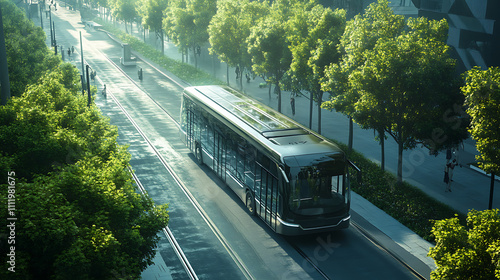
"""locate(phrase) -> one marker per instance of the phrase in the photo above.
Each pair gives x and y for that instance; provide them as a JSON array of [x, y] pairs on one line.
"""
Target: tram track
[[232, 253], [170, 236]]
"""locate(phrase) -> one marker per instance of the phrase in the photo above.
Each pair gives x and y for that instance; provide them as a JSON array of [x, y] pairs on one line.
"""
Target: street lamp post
[[88, 85]]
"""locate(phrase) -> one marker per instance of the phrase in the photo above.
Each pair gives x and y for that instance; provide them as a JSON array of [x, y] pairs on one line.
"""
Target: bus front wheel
[[250, 203]]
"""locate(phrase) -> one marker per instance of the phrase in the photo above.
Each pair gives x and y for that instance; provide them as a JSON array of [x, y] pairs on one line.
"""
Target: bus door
[[266, 194], [219, 163]]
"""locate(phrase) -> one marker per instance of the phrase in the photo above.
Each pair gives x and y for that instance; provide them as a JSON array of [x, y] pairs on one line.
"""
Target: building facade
[[474, 29]]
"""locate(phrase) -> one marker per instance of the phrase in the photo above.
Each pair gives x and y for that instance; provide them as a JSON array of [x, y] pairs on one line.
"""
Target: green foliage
[[404, 202], [230, 27], [151, 12], [397, 77], [269, 46], [78, 211], [187, 21], [123, 9], [482, 91], [28, 57], [470, 252], [77, 207]]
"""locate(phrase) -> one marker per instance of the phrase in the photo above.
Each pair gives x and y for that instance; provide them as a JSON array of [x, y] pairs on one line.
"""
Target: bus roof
[[280, 134]]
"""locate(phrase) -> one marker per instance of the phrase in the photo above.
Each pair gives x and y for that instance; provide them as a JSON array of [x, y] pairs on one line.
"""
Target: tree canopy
[[314, 35], [401, 81], [187, 21], [78, 212], [77, 207], [28, 58], [482, 93], [230, 27], [471, 252]]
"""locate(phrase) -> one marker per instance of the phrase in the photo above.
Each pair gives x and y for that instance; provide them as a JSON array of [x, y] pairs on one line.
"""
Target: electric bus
[[294, 179]]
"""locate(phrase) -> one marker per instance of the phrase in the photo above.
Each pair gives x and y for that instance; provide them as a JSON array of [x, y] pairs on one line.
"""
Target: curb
[[384, 242]]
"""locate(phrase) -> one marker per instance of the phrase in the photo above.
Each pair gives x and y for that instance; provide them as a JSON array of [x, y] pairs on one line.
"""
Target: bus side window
[[231, 156], [196, 122], [203, 128], [250, 166], [210, 136], [240, 157]]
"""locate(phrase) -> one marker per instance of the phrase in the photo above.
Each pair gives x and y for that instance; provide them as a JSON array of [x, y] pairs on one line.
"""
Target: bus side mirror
[[359, 176]]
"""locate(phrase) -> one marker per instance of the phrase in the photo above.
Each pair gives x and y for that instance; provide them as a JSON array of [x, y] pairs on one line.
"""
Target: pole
[[4, 69], [81, 53], [83, 86], [54, 30], [41, 15], [492, 186], [88, 86], [50, 24]]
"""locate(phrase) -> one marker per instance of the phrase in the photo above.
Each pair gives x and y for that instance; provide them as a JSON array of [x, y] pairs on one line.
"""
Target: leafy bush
[[404, 202], [77, 207], [467, 252], [78, 212]]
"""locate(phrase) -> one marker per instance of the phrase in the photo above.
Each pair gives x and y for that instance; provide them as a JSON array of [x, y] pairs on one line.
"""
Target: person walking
[[448, 174]]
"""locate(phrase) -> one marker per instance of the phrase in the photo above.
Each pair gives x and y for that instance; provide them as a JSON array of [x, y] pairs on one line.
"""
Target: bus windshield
[[318, 185]]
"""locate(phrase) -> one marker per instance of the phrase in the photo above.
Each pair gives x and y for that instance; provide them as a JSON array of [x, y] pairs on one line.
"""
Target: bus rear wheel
[[250, 203]]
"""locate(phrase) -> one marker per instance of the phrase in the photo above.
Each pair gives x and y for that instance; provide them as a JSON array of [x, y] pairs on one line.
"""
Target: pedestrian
[[104, 91], [237, 71], [448, 175], [292, 104], [448, 155], [69, 52]]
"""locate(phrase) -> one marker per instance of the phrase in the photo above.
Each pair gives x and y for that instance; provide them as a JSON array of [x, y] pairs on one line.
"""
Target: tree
[[124, 10], [467, 253], [187, 22], [407, 86], [482, 98], [151, 12], [229, 29], [268, 44], [314, 37], [28, 58], [361, 34], [482, 93], [404, 85], [78, 211]]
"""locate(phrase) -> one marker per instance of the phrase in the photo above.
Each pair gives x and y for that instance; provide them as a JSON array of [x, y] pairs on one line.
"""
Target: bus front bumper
[[287, 228]]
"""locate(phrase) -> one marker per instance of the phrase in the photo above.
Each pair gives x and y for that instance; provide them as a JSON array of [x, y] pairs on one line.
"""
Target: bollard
[[139, 73]]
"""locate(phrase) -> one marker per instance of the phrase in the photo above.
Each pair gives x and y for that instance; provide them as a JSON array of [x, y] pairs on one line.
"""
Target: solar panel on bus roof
[[257, 116]]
